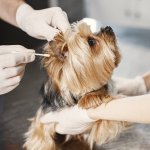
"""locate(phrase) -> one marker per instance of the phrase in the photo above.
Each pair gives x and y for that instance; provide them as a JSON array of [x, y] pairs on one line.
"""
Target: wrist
[[22, 12], [92, 114], [9, 9]]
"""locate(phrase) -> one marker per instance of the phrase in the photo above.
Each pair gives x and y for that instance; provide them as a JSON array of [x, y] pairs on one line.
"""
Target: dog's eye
[[91, 41]]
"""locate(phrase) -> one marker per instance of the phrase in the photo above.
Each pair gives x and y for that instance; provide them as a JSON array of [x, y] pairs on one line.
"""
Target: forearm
[[8, 10], [131, 109]]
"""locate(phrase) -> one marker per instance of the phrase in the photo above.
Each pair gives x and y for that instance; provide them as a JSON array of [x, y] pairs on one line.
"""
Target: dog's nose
[[108, 29]]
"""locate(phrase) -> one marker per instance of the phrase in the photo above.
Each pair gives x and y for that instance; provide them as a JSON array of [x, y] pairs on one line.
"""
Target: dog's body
[[79, 70]]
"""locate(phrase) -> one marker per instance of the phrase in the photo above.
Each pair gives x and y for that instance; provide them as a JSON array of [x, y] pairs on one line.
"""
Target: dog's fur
[[79, 69]]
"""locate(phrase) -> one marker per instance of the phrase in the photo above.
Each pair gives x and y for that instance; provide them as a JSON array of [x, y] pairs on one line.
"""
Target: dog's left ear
[[59, 47], [58, 50]]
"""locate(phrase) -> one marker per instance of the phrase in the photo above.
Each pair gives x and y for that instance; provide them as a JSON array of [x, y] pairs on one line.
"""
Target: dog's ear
[[59, 47], [58, 50]]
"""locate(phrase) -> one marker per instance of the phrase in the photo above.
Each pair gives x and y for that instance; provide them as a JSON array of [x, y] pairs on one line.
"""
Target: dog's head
[[81, 61]]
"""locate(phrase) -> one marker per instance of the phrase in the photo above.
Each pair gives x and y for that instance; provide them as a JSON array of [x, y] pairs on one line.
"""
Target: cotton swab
[[37, 54], [44, 55]]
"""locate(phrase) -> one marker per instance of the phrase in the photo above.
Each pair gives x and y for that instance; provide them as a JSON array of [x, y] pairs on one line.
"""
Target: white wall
[[122, 12]]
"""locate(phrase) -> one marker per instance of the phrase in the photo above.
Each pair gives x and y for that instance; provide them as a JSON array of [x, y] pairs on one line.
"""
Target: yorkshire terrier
[[79, 70]]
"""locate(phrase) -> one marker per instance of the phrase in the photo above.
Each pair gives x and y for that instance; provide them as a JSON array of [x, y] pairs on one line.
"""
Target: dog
[[79, 71]]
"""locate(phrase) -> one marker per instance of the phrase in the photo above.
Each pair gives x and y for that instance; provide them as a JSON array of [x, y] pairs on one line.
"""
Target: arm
[[8, 10], [131, 109], [41, 24], [75, 120]]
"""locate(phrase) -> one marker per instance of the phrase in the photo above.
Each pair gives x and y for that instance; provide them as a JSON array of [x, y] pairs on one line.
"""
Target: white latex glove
[[72, 120], [130, 87], [41, 24], [12, 66]]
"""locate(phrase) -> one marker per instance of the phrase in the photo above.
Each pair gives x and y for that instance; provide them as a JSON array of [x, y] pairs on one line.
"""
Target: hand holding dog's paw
[[72, 120]]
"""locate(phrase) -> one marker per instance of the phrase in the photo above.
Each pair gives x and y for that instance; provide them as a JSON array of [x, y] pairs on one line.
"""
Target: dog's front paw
[[89, 101], [146, 78], [93, 100]]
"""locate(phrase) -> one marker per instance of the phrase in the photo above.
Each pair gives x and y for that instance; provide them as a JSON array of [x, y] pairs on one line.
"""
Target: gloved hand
[[12, 66], [41, 24], [72, 120]]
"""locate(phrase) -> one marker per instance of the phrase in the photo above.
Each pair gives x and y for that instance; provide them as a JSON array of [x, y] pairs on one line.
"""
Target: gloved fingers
[[8, 89], [79, 115], [60, 129], [14, 59], [68, 130], [64, 130], [12, 81], [47, 32], [59, 19], [61, 23], [50, 117], [65, 14], [12, 72], [5, 49], [22, 73]]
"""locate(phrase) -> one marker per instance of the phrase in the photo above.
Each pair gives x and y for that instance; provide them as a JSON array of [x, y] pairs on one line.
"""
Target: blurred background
[[130, 20]]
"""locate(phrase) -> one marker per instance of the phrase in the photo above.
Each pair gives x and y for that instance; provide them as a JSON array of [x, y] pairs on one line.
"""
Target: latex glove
[[130, 87], [41, 24], [12, 66], [72, 120]]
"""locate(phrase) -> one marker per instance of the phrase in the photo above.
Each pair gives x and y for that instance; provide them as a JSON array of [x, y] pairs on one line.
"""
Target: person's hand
[[72, 120], [12, 66], [41, 24]]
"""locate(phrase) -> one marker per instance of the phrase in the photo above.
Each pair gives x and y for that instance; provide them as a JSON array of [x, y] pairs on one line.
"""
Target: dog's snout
[[108, 29]]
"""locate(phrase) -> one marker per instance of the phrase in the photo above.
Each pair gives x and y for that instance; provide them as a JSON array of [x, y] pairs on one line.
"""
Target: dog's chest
[[52, 99]]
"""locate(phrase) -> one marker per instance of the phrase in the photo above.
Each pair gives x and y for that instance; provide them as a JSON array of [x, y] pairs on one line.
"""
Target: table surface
[[22, 103]]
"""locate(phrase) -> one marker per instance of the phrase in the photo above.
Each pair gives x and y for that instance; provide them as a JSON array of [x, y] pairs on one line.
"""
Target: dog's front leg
[[95, 98], [40, 136]]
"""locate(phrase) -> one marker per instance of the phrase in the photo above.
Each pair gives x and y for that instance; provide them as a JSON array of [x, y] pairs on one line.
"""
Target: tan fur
[[102, 131], [39, 136], [84, 71]]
